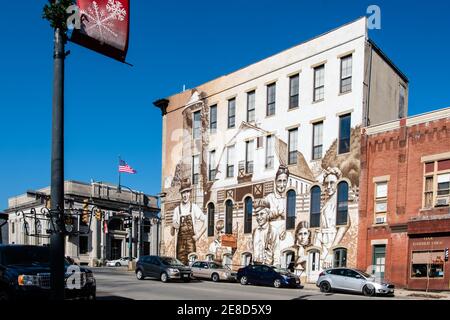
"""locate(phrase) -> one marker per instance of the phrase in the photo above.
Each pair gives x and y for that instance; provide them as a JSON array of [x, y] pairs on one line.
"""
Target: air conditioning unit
[[380, 220], [441, 202]]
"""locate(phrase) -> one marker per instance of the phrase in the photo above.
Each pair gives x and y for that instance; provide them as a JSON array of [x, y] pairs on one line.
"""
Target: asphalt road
[[117, 283]]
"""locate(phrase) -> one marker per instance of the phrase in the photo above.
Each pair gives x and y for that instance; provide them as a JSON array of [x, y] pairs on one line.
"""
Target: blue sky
[[109, 108]]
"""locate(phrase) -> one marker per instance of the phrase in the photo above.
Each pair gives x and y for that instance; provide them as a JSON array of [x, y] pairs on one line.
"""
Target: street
[[117, 283]]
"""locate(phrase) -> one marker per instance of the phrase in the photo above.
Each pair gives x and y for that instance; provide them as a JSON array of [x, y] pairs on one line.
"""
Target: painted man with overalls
[[188, 222]]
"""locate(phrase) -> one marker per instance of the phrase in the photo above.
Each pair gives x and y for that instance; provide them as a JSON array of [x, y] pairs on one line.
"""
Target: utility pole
[[57, 169]]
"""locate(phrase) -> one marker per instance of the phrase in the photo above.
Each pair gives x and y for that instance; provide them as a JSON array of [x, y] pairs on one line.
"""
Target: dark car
[[163, 268], [267, 275], [25, 274]]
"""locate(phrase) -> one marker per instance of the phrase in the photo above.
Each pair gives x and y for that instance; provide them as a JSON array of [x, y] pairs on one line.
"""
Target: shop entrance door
[[379, 261], [116, 249]]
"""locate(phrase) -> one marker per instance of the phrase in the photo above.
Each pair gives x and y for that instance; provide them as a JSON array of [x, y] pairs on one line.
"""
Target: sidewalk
[[403, 293]]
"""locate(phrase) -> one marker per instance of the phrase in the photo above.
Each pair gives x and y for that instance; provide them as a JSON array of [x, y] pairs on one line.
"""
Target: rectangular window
[[381, 192], [213, 119], [437, 184], [83, 244], [346, 74], [232, 113], [230, 162], [251, 106], [13, 230], [293, 138], [271, 98], [249, 147], [195, 169], [344, 133], [294, 91], [319, 83], [401, 102], [212, 165], [269, 152], [147, 226], [197, 125], [427, 264], [317, 140]]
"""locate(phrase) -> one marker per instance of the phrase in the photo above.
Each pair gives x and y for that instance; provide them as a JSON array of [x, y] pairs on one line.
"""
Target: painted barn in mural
[[262, 165]]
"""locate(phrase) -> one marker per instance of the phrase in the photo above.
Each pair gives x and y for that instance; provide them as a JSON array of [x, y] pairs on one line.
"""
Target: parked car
[[119, 262], [163, 268], [348, 279], [267, 275], [212, 270], [25, 274]]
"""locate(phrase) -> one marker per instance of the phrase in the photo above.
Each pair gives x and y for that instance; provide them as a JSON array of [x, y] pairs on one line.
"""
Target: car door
[[354, 281], [252, 274], [123, 261], [267, 275], [196, 270], [338, 278]]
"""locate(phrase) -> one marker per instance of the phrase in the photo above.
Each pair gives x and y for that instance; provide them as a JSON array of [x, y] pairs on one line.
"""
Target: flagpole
[[118, 188]]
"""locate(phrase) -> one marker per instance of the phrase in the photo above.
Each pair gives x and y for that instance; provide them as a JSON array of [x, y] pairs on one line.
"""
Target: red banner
[[104, 27]]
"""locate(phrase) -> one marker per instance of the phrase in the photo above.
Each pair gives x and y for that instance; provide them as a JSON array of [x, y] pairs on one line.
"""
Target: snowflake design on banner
[[101, 22]]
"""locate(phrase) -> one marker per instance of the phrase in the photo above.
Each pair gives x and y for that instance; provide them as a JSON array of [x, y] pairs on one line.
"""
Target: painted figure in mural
[[329, 235], [302, 242], [278, 202], [217, 243], [265, 238], [188, 223]]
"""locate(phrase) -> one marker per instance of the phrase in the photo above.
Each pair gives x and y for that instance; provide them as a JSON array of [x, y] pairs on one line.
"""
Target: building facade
[[105, 236], [404, 227], [3, 228], [263, 164]]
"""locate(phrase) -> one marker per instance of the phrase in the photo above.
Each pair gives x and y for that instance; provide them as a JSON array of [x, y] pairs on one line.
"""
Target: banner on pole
[[104, 27]]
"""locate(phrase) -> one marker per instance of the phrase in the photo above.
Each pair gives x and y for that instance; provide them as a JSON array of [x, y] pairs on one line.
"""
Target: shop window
[[427, 264]]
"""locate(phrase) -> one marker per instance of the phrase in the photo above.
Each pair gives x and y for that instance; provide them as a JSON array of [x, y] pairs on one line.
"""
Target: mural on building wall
[[269, 240]]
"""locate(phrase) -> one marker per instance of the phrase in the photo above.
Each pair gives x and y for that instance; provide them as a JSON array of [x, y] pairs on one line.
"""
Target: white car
[[119, 262]]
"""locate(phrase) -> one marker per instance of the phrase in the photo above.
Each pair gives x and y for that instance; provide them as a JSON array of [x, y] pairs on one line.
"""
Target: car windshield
[[26, 256], [167, 261]]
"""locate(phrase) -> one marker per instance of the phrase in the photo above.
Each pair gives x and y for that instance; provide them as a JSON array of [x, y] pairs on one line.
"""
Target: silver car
[[352, 280], [119, 262], [212, 270]]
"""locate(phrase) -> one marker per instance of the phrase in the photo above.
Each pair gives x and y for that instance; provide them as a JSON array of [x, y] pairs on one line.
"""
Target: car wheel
[[277, 283], [325, 287], [244, 280], [368, 291], [215, 277], [140, 275], [164, 277], [117, 264]]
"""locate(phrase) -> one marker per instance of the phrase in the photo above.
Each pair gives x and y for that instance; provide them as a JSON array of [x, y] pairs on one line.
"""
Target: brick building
[[404, 215]]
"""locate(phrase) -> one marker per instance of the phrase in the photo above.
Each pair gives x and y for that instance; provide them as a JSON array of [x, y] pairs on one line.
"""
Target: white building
[[301, 108]]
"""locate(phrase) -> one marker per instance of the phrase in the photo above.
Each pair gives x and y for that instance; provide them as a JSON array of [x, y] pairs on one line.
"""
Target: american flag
[[124, 167]]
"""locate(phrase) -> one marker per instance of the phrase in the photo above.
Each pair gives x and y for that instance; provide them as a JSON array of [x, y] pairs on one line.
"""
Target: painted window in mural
[[381, 192], [290, 209], [315, 207], [232, 113], [249, 150], [346, 74], [344, 133], [213, 119], [197, 125], [427, 264], [293, 139], [314, 261], [317, 140], [211, 213], [212, 166], [195, 169], [340, 258], [230, 161], [248, 205], [210, 257], [229, 217], [192, 258], [293, 91], [342, 203], [271, 98], [269, 152], [246, 259], [251, 106], [319, 83]]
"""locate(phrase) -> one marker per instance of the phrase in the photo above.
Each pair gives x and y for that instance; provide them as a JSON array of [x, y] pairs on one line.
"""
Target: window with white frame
[[213, 119], [293, 139], [294, 89], [197, 125], [232, 113], [246, 259], [195, 169], [319, 83], [269, 152], [212, 166], [271, 99], [251, 106], [346, 74], [381, 193], [230, 161], [249, 149], [317, 140], [437, 184]]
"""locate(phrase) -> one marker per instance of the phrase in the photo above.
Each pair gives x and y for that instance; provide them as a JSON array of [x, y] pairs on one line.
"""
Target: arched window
[[246, 258], [229, 217], [342, 203], [314, 220], [192, 258], [209, 257], [340, 258], [290, 210], [227, 260], [211, 220], [288, 260], [248, 202]]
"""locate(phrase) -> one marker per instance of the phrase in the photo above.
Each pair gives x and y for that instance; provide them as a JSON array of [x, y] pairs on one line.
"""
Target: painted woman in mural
[[278, 202], [188, 223], [265, 237], [302, 242]]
